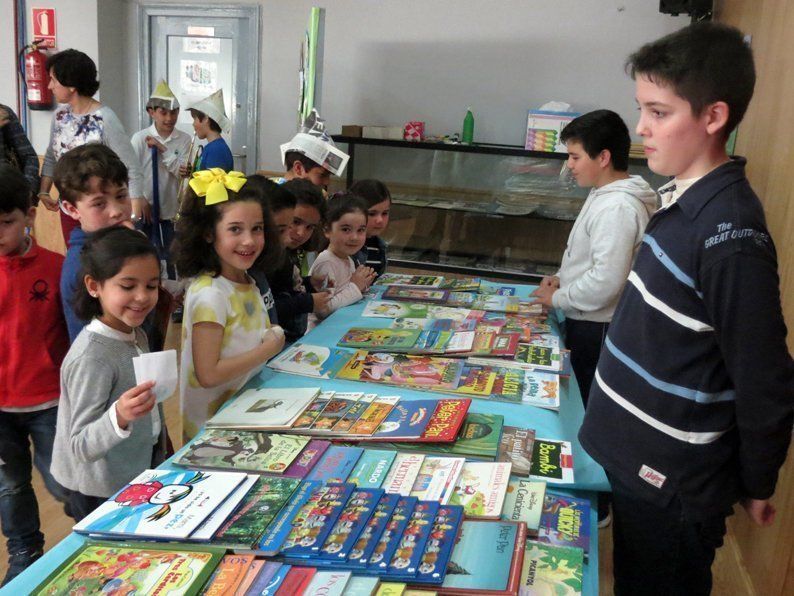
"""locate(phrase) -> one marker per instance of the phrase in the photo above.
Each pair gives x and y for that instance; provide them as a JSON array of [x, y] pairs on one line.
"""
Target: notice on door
[[198, 76]]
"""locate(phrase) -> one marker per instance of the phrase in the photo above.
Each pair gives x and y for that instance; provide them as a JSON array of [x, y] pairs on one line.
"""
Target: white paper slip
[[160, 367]]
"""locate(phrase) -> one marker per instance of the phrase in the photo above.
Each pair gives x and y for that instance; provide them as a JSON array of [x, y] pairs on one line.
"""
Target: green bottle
[[468, 128]]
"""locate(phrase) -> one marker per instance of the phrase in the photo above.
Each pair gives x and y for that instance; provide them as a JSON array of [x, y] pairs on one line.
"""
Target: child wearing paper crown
[[209, 122], [109, 427], [223, 231], [161, 148]]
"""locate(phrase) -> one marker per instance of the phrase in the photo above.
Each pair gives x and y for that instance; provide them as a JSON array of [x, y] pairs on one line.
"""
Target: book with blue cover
[[432, 568], [350, 523], [565, 521], [371, 468], [277, 532], [405, 560], [408, 419], [390, 537], [368, 539], [310, 360], [336, 464], [315, 520]]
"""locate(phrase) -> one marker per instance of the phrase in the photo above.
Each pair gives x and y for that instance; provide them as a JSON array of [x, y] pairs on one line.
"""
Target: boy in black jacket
[[691, 407]]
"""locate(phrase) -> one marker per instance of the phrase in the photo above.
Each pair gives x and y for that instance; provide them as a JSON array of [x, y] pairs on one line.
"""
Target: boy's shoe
[[176, 316], [603, 522], [18, 562]]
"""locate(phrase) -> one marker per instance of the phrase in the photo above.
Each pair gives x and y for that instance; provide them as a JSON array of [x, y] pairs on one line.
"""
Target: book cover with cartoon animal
[[313, 410], [550, 569], [315, 519], [565, 521], [372, 338], [524, 502], [335, 409], [368, 539], [387, 542], [264, 409], [276, 533], [350, 523], [478, 438], [310, 360], [432, 565], [395, 310], [129, 568], [413, 294], [374, 414], [405, 559], [243, 450], [161, 504], [491, 381], [405, 370], [481, 488], [407, 420], [541, 390], [437, 478], [354, 413]]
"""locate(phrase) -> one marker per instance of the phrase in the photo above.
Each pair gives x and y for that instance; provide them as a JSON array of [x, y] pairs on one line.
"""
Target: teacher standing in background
[[81, 119]]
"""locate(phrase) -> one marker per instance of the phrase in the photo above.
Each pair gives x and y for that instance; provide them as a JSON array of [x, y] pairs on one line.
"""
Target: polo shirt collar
[[697, 196]]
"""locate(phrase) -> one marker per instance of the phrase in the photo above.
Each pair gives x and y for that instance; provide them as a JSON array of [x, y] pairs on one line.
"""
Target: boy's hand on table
[[544, 293]]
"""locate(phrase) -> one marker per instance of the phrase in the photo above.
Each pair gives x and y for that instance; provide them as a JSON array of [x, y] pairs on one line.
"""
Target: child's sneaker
[[18, 562]]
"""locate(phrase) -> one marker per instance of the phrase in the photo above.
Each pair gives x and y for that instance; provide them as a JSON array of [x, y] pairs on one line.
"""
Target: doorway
[[199, 49]]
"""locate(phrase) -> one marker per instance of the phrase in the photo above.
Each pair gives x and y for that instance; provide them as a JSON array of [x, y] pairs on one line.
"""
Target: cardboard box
[[352, 130]]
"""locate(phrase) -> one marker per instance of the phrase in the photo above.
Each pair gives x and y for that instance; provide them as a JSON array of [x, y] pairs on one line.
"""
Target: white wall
[[76, 27], [390, 61]]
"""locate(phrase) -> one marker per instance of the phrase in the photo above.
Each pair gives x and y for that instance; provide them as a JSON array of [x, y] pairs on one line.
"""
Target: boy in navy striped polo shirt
[[692, 404]]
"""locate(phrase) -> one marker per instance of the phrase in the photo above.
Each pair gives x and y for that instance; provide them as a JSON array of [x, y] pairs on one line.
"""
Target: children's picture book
[[407, 420], [253, 572], [228, 575], [373, 338], [491, 382], [539, 357], [565, 521], [432, 568], [371, 469], [375, 413], [401, 279], [244, 528], [336, 464], [411, 546], [386, 309], [276, 533], [161, 504], [327, 583], [307, 459], [437, 478], [544, 340], [362, 586], [403, 473], [542, 390], [481, 488], [243, 450], [213, 523], [387, 542], [335, 409], [550, 569], [264, 409], [368, 539], [127, 568], [461, 284], [486, 558], [552, 461], [477, 439], [446, 420], [310, 360], [524, 502], [415, 294], [354, 413], [350, 523], [295, 581], [270, 587], [516, 446], [312, 411], [315, 519], [425, 372], [265, 577]]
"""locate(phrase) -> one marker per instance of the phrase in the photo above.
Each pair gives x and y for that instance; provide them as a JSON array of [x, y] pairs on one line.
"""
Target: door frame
[[251, 12]]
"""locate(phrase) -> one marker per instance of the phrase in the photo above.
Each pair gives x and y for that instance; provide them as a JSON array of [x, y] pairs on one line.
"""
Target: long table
[[562, 425]]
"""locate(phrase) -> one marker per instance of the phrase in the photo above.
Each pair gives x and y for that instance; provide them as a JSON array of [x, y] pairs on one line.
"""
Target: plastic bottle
[[468, 128]]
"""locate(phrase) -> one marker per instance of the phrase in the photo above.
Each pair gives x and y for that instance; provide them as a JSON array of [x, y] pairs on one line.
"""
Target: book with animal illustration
[[350, 523], [310, 360], [388, 540], [542, 390], [565, 521], [315, 520], [388, 309], [550, 569], [481, 488], [406, 370], [264, 409], [334, 410]]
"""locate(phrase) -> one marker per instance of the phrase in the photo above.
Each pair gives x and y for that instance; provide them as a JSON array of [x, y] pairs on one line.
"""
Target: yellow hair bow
[[213, 183]]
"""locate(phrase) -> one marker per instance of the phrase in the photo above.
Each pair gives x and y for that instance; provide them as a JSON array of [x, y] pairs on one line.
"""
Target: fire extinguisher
[[37, 79]]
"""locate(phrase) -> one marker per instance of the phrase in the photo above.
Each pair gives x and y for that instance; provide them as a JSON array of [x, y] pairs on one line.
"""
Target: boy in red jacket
[[34, 343]]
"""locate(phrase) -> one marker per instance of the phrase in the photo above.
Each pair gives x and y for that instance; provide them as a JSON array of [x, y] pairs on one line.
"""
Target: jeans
[[584, 339], [659, 550], [19, 511]]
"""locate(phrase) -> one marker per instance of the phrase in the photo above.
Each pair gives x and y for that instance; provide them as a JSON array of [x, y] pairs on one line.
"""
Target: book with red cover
[[446, 421], [297, 580]]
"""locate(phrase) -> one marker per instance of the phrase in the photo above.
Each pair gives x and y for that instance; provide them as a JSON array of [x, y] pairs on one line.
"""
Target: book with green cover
[[127, 568], [242, 450], [478, 439], [262, 503], [524, 502], [372, 338], [371, 468], [550, 569]]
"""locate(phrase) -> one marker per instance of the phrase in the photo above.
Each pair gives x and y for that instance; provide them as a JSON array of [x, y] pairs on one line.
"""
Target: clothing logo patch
[[727, 231], [40, 291], [651, 476]]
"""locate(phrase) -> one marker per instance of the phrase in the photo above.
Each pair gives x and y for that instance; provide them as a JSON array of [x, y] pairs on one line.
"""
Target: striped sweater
[[694, 392]]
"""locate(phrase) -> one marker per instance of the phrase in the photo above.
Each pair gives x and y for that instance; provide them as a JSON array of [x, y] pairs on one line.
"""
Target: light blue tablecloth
[[564, 425]]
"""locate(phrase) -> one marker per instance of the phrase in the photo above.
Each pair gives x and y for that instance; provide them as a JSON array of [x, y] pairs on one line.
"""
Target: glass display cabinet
[[487, 210]]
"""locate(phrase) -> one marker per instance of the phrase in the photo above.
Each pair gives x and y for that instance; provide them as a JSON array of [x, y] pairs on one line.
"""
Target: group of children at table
[[686, 416]]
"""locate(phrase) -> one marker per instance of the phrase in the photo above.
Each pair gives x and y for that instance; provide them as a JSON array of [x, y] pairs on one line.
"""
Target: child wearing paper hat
[[209, 121], [311, 154]]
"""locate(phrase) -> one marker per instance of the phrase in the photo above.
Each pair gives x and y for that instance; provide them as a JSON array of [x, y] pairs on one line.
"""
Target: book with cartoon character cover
[[127, 568], [386, 309], [385, 545], [312, 411], [405, 558], [366, 542], [541, 390], [350, 523], [242, 450], [431, 567], [335, 409], [310, 360], [374, 338], [244, 528], [404, 370], [491, 382], [477, 439], [414, 294], [315, 519], [161, 504], [550, 569], [481, 488], [565, 521], [277, 532], [308, 458], [264, 409]]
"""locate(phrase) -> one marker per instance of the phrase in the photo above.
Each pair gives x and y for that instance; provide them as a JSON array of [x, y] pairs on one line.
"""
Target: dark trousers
[[584, 339], [162, 238], [658, 551], [81, 505], [19, 510]]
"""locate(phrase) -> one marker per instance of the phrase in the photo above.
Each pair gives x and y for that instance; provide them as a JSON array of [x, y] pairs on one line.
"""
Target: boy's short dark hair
[[16, 193], [290, 157], [279, 198], [704, 63], [307, 194], [372, 191], [202, 116], [75, 69], [75, 169], [599, 130]]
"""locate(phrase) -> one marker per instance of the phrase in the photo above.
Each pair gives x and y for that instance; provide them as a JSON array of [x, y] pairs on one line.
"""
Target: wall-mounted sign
[[44, 26]]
